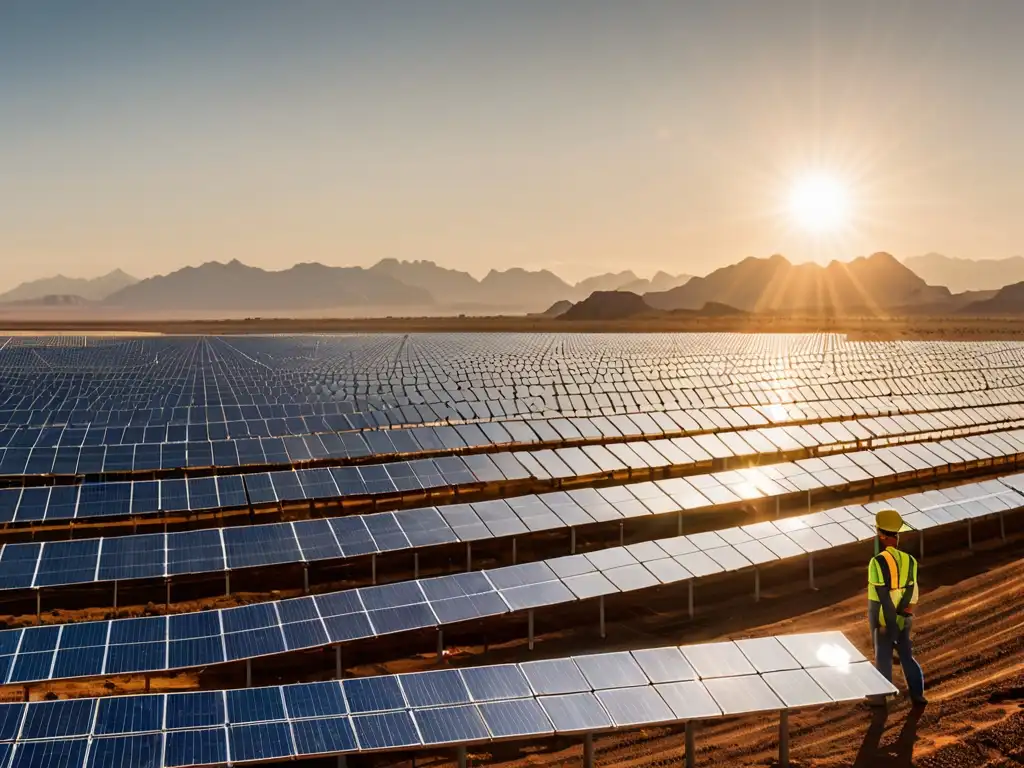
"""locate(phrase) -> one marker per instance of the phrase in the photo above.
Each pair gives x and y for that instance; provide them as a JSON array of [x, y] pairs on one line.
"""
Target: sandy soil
[[871, 328]]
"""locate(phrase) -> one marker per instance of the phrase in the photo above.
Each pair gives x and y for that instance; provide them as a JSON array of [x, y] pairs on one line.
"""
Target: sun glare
[[819, 203]]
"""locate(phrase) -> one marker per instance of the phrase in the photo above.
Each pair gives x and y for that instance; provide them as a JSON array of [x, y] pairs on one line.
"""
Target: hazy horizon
[[579, 137]]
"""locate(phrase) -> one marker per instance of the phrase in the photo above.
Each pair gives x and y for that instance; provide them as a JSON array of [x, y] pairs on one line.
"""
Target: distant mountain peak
[[87, 289], [961, 275], [774, 284]]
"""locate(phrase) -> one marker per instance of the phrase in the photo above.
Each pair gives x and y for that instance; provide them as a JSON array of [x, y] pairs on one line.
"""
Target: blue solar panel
[[10, 720], [373, 694], [325, 735], [195, 710], [67, 562], [389, 730], [575, 712], [435, 689], [261, 545], [199, 747], [314, 700], [231, 491], [18, 565], [515, 719], [58, 719], [129, 714], [499, 682], [261, 741], [316, 540], [142, 751], [451, 725], [63, 502], [68, 753], [353, 536], [78, 662], [255, 705], [132, 557], [194, 552]]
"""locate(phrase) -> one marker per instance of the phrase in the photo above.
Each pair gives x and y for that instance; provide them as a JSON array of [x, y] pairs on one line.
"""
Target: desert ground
[[866, 328]]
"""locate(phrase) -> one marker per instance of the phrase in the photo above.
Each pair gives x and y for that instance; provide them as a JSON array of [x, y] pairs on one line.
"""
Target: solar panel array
[[67, 451], [614, 427], [571, 695], [187, 640], [158, 555], [98, 500]]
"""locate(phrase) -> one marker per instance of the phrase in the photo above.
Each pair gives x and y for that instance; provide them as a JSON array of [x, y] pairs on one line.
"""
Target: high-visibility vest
[[896, 571]]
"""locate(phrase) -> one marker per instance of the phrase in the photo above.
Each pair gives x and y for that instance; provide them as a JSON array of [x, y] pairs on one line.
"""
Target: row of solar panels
[[282, 419], [48, 564], [189, 640], [67, 451], [119, 499], [574, 695]]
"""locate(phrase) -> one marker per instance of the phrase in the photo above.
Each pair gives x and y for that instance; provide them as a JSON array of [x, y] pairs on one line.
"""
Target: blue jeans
[[883, 658]]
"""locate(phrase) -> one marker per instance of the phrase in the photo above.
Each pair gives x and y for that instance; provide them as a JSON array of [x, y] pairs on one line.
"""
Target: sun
[[819, 203]]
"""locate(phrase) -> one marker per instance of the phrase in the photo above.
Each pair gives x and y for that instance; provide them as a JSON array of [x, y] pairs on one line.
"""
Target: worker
[[892, 595]]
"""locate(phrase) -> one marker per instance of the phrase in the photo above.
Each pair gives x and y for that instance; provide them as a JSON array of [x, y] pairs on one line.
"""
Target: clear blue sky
[[578, 135]]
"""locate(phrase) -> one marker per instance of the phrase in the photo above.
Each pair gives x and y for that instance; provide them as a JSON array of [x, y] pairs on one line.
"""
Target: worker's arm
[[889, 611], [885, 599]]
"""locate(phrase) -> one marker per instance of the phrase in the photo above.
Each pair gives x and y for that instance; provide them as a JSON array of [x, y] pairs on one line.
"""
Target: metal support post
[[469, 556], [39, 605], [757, 584], [810, 570], [920, 553], [339, 668], [514, 551], [588, 751], [440, 644], [691, 743], [167, 597], [1002, 527], [305, 578], [679, 523], [461, 756], [689, 590], [777, 506], [248, 673], [572, 541], [115, 594], [342, 762], [622, 535], [415, 565], [808, 501], [529, 627], [970, 535], [601, 612], [784, 738], [373, 568], [227, 582]]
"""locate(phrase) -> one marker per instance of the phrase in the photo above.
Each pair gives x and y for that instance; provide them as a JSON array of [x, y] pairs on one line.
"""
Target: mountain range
[[774, 284], [408, 285], [877, 284], [966, 275], [873, 285], [96, 289]]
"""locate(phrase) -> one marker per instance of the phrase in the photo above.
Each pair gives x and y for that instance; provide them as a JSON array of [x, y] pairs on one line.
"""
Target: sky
[[579, 136]]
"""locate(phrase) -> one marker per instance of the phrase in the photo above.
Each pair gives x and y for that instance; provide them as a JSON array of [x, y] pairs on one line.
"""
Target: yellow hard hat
[[889, 520]]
